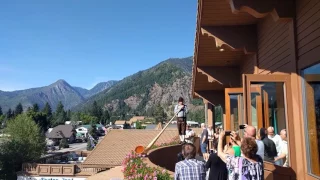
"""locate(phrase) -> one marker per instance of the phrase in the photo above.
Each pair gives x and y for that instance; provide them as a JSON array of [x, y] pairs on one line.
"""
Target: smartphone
[[242, 126], [227, 133]]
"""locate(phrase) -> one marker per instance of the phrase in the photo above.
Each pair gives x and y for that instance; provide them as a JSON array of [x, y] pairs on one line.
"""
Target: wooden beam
[[279, 9], [234, 37]]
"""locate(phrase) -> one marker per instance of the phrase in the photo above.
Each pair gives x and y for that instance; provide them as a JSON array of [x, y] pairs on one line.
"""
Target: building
[[260, 60], [133, 121], [62, 131]]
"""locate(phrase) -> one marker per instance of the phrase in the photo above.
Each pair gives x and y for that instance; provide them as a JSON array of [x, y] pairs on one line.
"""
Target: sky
[[85, 42]]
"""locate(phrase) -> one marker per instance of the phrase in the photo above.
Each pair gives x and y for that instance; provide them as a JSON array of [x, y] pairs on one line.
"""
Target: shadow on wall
[[167, 157]]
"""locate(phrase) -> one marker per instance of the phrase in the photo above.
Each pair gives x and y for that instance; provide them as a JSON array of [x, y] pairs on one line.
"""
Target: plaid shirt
[[190, 169]]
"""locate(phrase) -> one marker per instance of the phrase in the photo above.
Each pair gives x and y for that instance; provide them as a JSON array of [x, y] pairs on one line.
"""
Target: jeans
[[203, 147]]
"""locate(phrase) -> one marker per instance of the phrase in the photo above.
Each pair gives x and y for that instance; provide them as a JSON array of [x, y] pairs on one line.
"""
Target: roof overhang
[[226, 32]]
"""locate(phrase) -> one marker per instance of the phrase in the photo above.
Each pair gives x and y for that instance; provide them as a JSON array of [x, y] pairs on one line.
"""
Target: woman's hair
[[188, 151], [215, 144], [249, 147], [180, 99]]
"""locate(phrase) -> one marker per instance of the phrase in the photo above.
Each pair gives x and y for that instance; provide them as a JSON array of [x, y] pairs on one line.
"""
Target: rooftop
[[111, 151]]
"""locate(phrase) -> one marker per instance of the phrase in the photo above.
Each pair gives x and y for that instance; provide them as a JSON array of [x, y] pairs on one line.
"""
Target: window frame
[[306, 121]]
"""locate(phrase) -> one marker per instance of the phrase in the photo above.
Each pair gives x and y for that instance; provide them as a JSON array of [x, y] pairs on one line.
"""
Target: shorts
[[182, 125]]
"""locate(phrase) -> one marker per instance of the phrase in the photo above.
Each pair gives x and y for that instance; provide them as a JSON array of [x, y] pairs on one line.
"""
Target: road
[[75, 147]]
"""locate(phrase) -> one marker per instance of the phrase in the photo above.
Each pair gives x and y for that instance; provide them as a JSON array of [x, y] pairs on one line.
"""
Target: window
[[311, 87]]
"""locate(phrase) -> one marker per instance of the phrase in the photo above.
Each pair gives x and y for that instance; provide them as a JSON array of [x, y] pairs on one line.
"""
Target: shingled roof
[[61, 131], [111, 151]]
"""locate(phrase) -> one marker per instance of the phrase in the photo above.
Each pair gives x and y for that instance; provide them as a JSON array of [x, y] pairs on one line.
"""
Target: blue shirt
[[190, 169]]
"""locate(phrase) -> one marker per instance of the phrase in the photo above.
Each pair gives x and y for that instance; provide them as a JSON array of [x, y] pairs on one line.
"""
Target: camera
[[227, 133], [242, 126]]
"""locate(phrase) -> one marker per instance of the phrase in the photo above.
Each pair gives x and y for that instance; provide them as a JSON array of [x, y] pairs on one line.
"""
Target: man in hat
[[181, 110]]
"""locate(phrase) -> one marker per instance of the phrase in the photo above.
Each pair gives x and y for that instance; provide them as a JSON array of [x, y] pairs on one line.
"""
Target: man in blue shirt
[[190, 168]]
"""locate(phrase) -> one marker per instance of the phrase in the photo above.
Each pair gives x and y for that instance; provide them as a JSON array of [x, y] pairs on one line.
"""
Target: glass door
[[266, 102], [234, 108]]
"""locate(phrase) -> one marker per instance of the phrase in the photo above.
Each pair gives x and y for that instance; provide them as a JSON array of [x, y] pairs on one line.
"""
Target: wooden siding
[[308, 32], [273, 46], [247, 66]]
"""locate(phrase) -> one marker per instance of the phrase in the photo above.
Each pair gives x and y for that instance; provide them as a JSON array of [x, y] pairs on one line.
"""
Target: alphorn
[[144, 150]]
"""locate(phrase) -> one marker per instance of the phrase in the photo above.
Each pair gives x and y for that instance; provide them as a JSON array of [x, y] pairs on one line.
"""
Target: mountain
[[58, 91], [160, 85], [96, 89]]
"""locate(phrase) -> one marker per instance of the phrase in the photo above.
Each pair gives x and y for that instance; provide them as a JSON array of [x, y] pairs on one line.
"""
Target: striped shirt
[[190, 169]]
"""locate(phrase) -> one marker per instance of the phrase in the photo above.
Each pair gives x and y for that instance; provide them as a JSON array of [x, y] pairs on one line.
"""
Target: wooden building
[[260, 60]]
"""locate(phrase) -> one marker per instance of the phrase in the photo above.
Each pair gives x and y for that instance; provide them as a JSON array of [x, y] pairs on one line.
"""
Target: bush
[[135, 168], [63, 143]]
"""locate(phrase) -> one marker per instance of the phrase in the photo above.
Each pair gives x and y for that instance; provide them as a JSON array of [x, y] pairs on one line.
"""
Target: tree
[[96, 111], [75, 117], [48, 112], [25, 144], [60, 115], [1, 113], [105, 119], [69, 114], [47, 109], [159, 114], [87, 119], [35, 107], [19, 109], [9, 114], [93, 137]]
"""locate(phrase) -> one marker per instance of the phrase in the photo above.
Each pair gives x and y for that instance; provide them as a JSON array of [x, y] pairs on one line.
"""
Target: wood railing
[[60, 169]]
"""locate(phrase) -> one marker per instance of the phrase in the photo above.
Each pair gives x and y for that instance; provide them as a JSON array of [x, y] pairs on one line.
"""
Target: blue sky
[[86, 42]]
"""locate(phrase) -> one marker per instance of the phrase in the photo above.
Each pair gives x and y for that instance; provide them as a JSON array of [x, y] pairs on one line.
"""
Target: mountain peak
[[61, 81]]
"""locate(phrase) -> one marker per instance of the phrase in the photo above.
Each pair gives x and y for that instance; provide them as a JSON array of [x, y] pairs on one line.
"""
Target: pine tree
[[69, 114], [47, 109], [60, 115], [9, 114], [60, 108], [19, 109], [96, 110], [105, 119], [1, 113], [35, 107]]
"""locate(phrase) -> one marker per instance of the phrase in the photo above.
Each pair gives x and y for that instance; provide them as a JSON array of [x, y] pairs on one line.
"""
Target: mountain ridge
[[60, 90], [161, 85]]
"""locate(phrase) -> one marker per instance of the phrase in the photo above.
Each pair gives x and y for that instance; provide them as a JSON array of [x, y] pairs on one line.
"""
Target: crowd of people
[[229, 156]]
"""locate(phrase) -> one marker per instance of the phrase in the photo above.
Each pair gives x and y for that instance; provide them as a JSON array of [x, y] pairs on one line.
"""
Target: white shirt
[[189, 137], [260, 151], [210, 133], [277, 141], [284, 150]]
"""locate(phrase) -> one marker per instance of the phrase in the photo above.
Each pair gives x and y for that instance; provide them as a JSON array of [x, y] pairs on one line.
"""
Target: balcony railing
[[48, 169]]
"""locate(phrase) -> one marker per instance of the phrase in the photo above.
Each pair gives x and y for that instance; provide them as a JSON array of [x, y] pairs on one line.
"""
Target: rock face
[[161, 85]]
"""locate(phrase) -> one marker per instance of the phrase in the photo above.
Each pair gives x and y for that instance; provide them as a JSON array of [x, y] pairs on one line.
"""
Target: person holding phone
[[247, 166]]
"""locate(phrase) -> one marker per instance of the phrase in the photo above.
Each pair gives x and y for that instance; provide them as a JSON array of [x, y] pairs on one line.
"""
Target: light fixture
[[221, 49]]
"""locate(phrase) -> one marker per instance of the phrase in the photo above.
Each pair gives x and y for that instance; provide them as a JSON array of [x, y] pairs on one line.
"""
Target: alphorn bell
[[144, 150]]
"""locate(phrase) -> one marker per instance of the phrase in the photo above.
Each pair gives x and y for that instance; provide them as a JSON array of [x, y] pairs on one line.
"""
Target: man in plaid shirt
[[189, 168]]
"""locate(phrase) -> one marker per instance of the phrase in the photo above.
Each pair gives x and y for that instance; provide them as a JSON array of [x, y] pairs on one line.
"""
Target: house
[[260, 60], [84, 129], [62, 131], [135, 119], [122, 123]]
